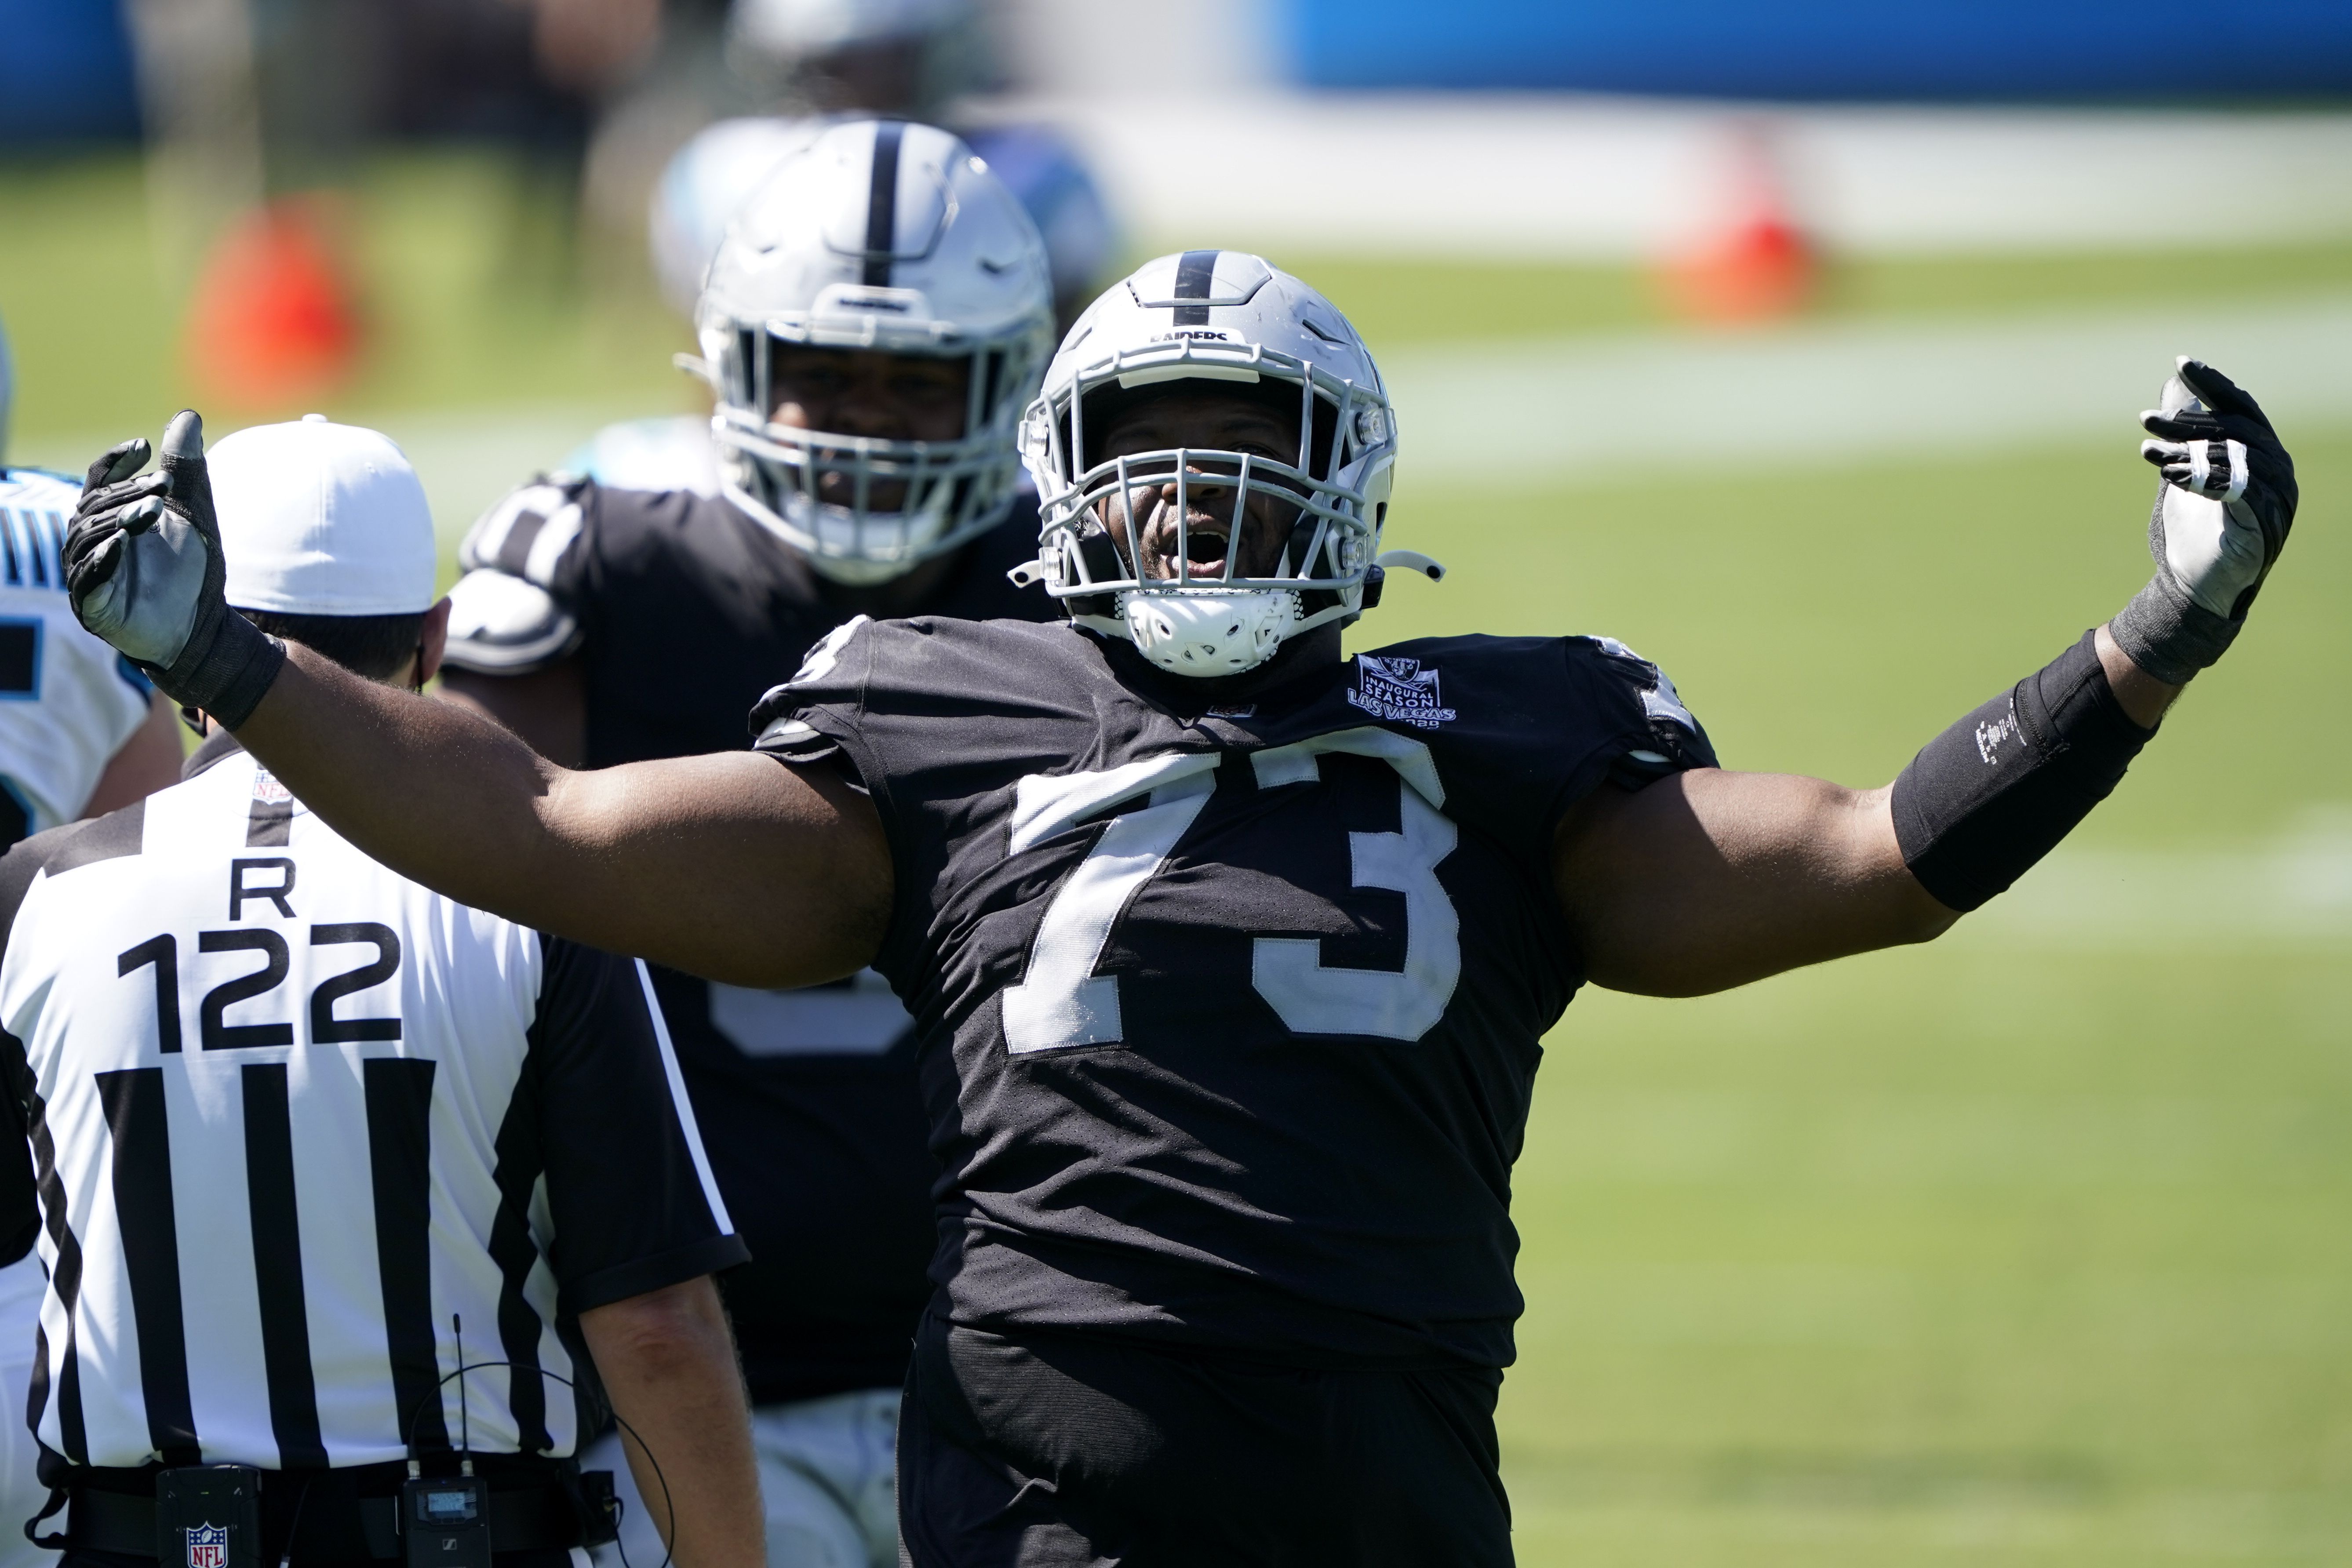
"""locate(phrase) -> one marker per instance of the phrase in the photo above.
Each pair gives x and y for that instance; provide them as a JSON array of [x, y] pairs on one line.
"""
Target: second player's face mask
[[863, 457]]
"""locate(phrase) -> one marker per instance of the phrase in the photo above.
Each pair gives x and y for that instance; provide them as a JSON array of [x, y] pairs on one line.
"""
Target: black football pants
[[1064, 1451]]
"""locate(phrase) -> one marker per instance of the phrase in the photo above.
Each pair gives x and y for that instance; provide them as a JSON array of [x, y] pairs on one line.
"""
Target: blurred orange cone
[[273, 321], [1759, 267]]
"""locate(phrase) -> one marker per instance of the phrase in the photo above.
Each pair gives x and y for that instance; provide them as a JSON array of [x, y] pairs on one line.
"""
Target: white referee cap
[[318, 518]]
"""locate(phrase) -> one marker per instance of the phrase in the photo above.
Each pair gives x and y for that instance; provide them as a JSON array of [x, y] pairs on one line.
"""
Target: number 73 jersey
[[1228, 1020]]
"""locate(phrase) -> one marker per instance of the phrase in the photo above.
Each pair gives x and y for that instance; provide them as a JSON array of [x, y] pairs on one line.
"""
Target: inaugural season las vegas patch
[[1403, 690]]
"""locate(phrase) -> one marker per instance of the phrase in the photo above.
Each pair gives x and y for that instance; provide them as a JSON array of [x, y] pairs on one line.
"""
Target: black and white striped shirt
[[290, 1115]]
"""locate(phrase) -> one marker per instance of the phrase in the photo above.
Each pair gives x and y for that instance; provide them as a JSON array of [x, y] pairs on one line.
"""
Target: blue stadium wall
[[1953, 50], [65, 72]]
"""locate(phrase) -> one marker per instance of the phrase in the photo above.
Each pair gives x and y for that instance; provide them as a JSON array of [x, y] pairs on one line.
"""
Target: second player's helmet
[[1227, 320], [891, 237]]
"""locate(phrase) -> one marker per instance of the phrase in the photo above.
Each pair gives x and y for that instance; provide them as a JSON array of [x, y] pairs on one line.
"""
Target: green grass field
[[1970, 1253], [2002, 1251]]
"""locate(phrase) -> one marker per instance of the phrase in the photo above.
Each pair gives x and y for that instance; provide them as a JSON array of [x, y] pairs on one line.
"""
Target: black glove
[[144, 572], [2223, 513]]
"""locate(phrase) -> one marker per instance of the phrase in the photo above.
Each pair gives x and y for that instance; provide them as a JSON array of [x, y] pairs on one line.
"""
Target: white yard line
[[1819, 394]]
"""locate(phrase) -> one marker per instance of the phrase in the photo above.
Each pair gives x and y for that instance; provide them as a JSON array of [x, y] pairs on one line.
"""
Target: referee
[[302, 1133]]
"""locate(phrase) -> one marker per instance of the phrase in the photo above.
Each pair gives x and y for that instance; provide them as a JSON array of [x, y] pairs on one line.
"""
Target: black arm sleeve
[[628, 1191], [1995, 792]]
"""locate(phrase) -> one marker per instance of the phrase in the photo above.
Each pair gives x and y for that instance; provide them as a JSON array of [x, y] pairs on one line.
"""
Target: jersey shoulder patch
[[776, 725]]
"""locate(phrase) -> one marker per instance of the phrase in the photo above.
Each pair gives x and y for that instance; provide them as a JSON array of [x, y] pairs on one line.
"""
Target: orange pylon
[[274, 320], [1759, 266]]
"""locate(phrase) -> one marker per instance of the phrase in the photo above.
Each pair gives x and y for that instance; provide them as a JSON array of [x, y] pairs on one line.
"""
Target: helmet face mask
[[1299, 530], [881, 239], [865, 508]]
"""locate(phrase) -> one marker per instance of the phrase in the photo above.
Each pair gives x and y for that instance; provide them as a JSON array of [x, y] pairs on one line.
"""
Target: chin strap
[[1376, 579], [1410, 560]]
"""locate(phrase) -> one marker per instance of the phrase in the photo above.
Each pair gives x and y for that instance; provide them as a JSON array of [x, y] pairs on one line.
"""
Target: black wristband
[[2170, 636], [2163, 630], [1995, 792], [226, 672]]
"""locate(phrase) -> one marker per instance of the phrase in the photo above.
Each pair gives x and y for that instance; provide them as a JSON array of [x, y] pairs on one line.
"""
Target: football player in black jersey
[[875, 324], [1229, 957]]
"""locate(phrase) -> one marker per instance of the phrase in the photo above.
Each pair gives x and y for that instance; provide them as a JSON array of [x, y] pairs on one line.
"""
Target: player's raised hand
[[138, 563], [143, 568], [2223, 513]]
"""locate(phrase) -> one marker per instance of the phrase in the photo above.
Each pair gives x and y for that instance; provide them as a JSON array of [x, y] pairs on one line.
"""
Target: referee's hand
[[144, 571]]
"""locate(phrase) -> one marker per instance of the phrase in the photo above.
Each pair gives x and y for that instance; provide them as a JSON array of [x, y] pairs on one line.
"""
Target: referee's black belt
[[332, 1525]]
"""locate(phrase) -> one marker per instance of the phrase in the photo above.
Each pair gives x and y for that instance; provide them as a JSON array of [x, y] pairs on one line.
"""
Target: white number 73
[[1061, 1000]]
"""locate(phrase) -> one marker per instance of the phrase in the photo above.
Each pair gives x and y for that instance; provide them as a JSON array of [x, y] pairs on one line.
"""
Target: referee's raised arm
[[729, 865]]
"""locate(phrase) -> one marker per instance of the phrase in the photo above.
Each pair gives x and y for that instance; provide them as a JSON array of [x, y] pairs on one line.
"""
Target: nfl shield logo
[[208, 1546]]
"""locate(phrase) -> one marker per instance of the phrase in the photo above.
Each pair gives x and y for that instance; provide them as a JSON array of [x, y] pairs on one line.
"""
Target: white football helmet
[[885, 235], [1225, 317]]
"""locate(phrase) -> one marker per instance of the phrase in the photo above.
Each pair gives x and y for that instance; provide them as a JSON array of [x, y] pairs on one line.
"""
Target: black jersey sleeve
[[1617, 721], [1658, 735], [629, 1192], [814, 717], [516, 607]]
